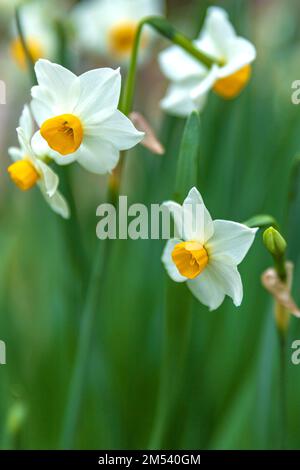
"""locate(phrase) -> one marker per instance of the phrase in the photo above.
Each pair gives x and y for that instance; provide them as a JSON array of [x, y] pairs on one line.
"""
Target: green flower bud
[[274, 242]]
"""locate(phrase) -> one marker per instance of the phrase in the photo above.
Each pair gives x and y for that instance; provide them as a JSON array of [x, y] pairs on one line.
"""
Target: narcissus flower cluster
[[191, 80], [207, 252], [78, 120]]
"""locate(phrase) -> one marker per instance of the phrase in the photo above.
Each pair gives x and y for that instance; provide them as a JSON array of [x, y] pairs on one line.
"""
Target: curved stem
[[163, 27], [282, 390]]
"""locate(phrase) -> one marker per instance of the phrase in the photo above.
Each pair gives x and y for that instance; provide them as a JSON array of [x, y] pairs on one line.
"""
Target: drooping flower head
[[207, 252], [78, 116], [112, 25], [29, 167], [191, 81]]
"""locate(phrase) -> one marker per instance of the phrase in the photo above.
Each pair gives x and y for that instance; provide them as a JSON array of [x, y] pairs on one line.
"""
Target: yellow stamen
[[121, 37], [229, 87], [63, 133], [34, 47], [23, 174], [191, 258]]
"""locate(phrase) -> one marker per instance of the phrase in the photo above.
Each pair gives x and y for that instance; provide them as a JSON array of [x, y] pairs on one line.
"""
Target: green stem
[[177, 335], [84, 342], [83, 349], [282, 389], [160, 25], [72, 229], [29, 59]]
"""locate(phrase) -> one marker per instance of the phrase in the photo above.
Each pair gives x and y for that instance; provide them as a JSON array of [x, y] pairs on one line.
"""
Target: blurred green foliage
[[227, 397]]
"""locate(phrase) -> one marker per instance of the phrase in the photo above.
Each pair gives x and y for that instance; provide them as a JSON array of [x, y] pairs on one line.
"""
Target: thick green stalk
[[177, 308], [282, 388], [76, 392], [177, 330], [163, 27]]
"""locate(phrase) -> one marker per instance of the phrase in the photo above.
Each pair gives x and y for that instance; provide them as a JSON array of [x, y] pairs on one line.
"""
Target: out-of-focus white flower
[[7, 8], [78, 117], [191, 81], [108, 27], [207, 253], [29, 168], [39, 32]]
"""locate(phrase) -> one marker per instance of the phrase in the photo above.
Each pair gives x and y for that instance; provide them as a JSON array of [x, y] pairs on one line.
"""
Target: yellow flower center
[[63, 133], [190, 258], [34, 47], [23, 174], [229, 87], [121, 37]]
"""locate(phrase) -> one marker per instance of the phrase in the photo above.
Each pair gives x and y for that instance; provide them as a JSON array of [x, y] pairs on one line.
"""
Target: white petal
[[118, 130], [24, 143], [41, 110], [40, 146], [206, 289], [42, 149], [168, 262], [198, 224], [205, 85], [228, 278], [26, 122], [97, 156], [99, 90], [240, 52], [177, 213], [57, 202], [218, 27], [15, 153], [60, 83], [230, 239], [50, 178], [179, 101], [177, 65]]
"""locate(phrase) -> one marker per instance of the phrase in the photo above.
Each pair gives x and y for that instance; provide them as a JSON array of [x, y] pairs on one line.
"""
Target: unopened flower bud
[[274, 242]]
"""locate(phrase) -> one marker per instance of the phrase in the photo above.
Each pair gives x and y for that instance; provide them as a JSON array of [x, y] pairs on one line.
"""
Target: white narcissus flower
[[39, 32], [112, 26], [191, 80], [29, 168], [78, 117], [207, 253]]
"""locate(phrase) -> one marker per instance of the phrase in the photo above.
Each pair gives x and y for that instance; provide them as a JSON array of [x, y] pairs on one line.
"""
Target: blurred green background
[[226, 397]]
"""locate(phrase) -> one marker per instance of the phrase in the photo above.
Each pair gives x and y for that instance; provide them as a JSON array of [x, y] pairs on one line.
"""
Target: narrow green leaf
[[187, 165], [261, 221]]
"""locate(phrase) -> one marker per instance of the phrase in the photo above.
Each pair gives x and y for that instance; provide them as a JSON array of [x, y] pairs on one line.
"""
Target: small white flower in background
[[29, 168], [191, 81], [207, 253], [112, 25], [39, 32], [7, 8], [78, 117]]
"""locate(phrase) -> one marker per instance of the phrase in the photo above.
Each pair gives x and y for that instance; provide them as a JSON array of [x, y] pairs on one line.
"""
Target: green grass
[[226, 395]]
